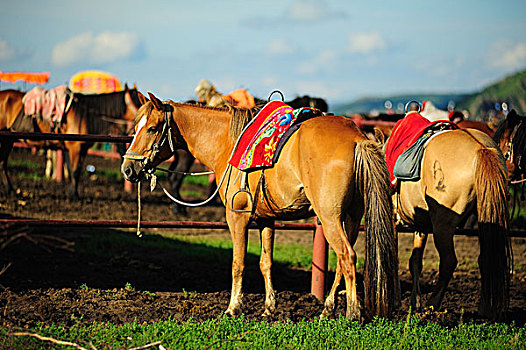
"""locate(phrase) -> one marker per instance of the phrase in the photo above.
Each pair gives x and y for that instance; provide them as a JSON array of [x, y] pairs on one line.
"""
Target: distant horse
[[208, 95], [83, 117], [327, 168], [511, 137], [462, 169]]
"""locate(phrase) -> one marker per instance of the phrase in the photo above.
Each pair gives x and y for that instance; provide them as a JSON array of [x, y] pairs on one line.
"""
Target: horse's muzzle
[[132, 171]]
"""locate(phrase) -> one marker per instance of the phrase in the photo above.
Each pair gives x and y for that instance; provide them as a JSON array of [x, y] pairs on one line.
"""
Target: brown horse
[[511, 137], [461, 169], [83, 117], [476, 124], [327, 168]]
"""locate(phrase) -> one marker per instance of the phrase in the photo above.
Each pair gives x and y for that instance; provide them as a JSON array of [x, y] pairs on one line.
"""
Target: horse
[[327, 168], [511, 137], [461, 169], [84, 116]]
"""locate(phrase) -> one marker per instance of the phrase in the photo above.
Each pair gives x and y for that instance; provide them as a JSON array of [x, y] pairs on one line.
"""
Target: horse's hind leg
[[352, 228], [415, 267], [265, 263], [335, 235], [443, 237]]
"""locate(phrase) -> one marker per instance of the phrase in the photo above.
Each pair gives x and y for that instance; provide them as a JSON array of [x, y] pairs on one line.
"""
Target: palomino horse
[[461, 169], [327, 168], [83, 117]]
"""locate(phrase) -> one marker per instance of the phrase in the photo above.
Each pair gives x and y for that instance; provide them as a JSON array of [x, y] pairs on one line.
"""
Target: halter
[[166, 133]]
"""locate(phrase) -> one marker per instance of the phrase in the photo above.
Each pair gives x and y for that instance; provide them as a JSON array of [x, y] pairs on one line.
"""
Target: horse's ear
[[142, 98], [156, 102], [134, 86], [126, 87]]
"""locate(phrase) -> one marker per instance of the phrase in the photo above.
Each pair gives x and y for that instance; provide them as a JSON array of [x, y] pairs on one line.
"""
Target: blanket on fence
[[48, 104]]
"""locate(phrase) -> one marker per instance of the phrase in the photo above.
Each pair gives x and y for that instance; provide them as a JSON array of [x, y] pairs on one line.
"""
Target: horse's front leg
[[5, 148], [415, 267], [266, 228], [77, 154], [238, 224]]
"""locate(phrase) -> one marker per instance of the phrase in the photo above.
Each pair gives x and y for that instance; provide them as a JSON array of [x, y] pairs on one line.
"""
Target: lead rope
[[139, 233]]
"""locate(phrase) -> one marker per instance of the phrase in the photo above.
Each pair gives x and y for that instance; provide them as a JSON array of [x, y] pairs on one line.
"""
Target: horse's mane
[[110, 104], [240, 116]]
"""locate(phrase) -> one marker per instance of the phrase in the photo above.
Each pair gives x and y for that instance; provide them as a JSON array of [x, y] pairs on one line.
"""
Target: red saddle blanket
[[261, 142], [405, 132]]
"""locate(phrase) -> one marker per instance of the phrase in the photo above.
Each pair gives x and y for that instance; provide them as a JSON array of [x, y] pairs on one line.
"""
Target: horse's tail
[[495, 258], [382, 290]]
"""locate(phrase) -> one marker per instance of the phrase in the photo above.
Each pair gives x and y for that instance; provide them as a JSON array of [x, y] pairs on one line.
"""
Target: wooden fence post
[[319, 262]]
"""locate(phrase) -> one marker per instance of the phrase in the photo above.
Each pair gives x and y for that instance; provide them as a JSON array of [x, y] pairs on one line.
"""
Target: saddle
[[405, 147], [262, 141]]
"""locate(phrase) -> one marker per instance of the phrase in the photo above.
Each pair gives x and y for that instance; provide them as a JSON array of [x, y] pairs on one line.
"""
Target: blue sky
[[338, 50]]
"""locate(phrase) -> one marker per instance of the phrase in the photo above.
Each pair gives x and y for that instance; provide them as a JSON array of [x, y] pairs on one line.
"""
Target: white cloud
[[280, 47], [7, 52], [508, 55], [269, 81], [325, 60], [105, 47], [306, 10], [366, 42]]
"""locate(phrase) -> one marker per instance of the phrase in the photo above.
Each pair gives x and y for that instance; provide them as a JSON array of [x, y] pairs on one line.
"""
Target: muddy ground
[[49, 279]]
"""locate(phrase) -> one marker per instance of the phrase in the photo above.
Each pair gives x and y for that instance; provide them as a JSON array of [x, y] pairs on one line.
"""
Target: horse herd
[[330, 169]]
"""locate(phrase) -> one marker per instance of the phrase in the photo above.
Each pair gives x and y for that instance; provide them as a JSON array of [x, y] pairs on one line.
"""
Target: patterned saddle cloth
[[405, 147], [260, 145]]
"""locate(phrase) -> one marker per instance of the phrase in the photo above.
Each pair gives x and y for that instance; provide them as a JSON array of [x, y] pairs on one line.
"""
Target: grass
[[239, 333]]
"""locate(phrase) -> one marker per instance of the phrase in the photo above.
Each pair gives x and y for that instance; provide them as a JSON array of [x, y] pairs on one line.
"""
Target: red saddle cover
[[405, 132]]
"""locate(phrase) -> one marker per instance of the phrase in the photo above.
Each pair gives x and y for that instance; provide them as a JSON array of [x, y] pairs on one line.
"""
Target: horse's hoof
[[233, 312], [354, 314], [267, 313]]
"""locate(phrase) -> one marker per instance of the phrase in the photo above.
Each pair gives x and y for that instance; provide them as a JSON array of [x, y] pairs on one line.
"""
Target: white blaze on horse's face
[[140, 125]]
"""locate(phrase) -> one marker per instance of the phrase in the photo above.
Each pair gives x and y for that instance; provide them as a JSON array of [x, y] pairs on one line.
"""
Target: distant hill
[[511, 90]]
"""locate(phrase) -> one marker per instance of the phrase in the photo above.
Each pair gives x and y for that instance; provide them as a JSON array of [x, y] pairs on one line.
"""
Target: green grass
[[239, 333]]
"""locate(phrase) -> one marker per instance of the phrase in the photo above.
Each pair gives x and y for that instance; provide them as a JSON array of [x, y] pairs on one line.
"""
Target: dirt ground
[[47, 280]]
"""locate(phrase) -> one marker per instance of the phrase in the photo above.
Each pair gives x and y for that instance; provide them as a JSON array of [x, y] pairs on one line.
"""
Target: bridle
[[509, 155], [166, 134]]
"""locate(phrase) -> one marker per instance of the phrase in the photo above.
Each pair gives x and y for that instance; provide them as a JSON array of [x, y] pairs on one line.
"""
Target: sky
[[337, 50]]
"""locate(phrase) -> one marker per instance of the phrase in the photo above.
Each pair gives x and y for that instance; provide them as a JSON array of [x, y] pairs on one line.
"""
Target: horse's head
[[156, 138], [511, 138], [133, 100]]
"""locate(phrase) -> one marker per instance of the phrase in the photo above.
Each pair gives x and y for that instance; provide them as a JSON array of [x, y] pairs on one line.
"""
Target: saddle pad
[[405, 133], [261, 142]]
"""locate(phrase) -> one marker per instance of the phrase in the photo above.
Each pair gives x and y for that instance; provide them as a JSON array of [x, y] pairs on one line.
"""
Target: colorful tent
[[32, 78], [94, 82]]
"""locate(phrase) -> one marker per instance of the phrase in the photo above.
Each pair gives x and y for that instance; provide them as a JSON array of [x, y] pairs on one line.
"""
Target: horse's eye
[[152, 130]]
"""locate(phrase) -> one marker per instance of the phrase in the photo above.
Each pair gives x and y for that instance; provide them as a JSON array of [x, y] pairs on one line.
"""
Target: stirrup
[[244, 188]]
